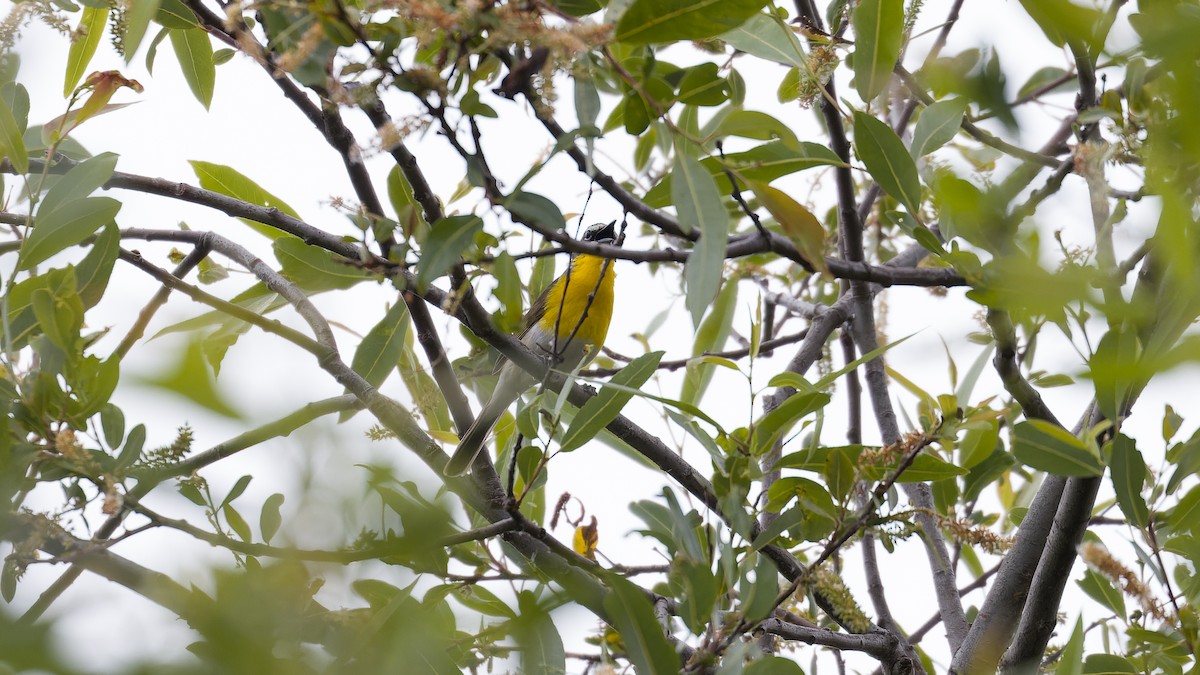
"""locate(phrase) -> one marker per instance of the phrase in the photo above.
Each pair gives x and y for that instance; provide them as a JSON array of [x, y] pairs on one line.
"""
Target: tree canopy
[[260, 260]]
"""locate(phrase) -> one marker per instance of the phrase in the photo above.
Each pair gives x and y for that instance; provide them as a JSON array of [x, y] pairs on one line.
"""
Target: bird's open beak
[[608, 235]]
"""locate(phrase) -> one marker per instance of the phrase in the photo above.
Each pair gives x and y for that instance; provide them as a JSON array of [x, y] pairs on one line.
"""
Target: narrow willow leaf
[[772, 426], [536, 209], [233, 183], [645, 643], [1071, 660], [1100, 589], [379, 352], [1128, 473], [924, 468], [195, 54], [937, 125], [269, 519], [1051, 448], [878, 31], [448, 239], [1185, 517], [888, 160], [175, 14], [81, 181], [672, 20], [237, 523], [710, 337], [66, 226], [757, 125], [1108, 664], [91, 31], [607, 404], [137, 20], [767, 38], [763, 163], [537, 637], [698, 202], [12, 142], [315, 269], [190, 378]]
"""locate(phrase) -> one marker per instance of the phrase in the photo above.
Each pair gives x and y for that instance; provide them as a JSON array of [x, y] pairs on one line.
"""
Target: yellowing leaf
[[798, 223], [586, 538]]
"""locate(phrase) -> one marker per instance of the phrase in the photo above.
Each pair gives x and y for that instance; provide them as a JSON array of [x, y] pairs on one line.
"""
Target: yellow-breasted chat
[[567, 324]]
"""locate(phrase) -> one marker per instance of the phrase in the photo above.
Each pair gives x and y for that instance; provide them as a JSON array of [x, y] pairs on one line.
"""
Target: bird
[[567, 323]]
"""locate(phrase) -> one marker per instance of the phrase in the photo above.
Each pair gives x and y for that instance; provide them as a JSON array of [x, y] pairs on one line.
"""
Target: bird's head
[[601, 233]]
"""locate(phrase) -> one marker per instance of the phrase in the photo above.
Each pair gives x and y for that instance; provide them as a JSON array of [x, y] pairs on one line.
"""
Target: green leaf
[[1049, 447], [1128, 476], [175, 14], [773, 665], [94, 270], [888, 160], [702, 85], [485, 602], [1100, 589], [423, 388], [580, 7], [700, 588], [137, 20], [607, 404], [766, 37], [1116, 370], [237, 523], [673, 20], [8, 579], [1108, 664], [112, 425], [633, 617], [1071, 661], [758, 598], [22, 324], [190, 378], [316, 269], [81, 181], [698, 203], [839, 474], [269, 519], [60, 318], [798, 223], [937, 125], [232, 183], [878, 32], [379, 352], [66, 226], [763, 163], [1185, 517], [12, 142], [238, 488], [772, 426], [195, 54], [93, 383], [133, 448], [448, 239], [1064, 21], [91, 32], [536, 209], [924, 468], [537, 637], [753, 124], [710, 336]]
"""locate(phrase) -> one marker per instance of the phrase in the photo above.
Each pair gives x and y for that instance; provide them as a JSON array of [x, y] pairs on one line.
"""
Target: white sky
[[252, 128]]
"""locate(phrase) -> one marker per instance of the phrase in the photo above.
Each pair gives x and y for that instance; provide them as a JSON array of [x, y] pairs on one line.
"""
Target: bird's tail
[[507, 390]]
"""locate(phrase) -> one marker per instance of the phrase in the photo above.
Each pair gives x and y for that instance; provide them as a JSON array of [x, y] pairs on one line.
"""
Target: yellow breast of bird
[[590, 276]]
